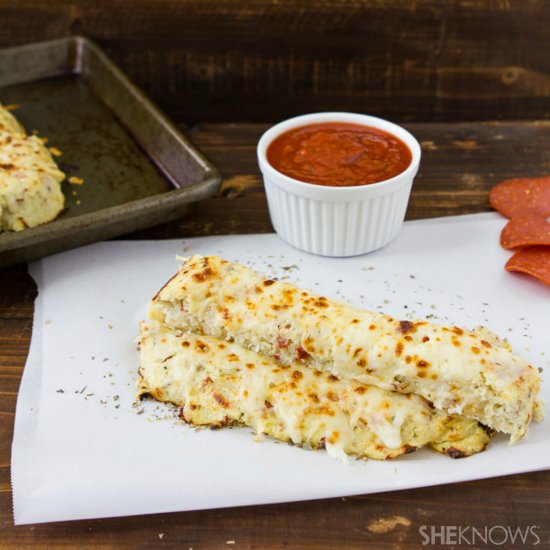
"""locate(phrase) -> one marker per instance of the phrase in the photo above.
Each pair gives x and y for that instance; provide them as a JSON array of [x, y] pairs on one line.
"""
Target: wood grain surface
[[460, 163], [261, 60]]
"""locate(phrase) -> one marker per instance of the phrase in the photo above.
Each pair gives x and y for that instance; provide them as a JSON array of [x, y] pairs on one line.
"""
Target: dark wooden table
[[461, 162]]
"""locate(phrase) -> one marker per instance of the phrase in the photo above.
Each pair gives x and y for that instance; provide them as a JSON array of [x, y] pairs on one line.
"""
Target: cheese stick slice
[[30, 190], [217, 383], [458, 371], [8, 123]]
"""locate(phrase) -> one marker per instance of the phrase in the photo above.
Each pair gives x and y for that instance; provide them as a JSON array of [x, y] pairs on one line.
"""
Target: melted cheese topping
[[8, 123], [457, 370], [219, 383], [30, 191]]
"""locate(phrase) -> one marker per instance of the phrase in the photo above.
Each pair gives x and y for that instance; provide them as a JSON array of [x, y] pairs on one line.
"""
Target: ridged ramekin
[[337, 221]]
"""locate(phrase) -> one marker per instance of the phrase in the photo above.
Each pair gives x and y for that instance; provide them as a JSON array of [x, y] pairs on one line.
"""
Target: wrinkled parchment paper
[[84, 449]]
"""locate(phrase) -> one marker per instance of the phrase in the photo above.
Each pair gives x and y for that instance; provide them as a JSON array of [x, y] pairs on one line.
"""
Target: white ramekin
[[337, 221]]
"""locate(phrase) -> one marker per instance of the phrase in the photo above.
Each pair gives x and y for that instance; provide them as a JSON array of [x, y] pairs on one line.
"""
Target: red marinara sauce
[[338, 154]]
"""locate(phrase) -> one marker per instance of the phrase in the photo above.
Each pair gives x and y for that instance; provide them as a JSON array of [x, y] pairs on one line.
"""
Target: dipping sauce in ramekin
[[338, 154], [338, 184]]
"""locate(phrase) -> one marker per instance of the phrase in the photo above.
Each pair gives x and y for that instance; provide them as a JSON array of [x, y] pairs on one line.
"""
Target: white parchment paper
[[83, 449]]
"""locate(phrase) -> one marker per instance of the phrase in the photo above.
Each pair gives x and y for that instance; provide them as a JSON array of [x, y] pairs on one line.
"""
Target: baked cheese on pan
[[30, 190], [459, 371], [217, 383], [8, 123]]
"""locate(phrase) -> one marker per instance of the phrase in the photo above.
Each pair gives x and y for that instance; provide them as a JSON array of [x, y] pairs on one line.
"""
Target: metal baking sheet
[[138, 168]]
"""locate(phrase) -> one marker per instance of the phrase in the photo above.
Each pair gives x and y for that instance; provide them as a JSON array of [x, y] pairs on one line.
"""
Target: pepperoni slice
[[534, 261], [527, 230], [520, 196]]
